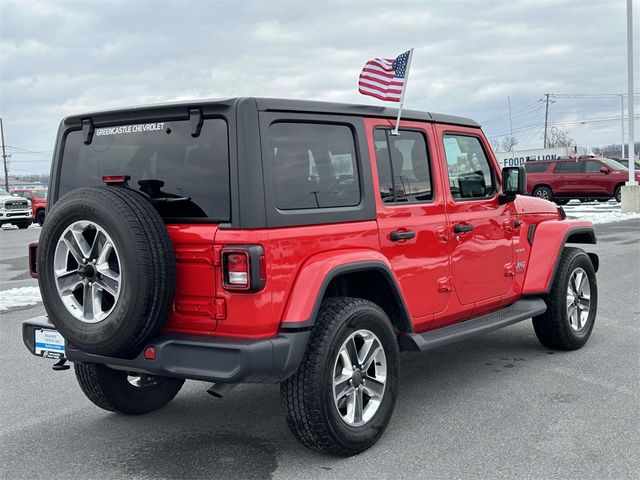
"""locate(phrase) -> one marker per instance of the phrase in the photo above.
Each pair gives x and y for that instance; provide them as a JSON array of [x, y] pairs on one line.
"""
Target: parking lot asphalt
[[498, 406]]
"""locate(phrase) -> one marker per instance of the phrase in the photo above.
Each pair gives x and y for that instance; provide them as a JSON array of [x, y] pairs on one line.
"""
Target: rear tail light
[[243, 268], [33, 260], [238, 269]]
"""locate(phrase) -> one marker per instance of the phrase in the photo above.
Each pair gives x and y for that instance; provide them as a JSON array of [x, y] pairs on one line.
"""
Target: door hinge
[[510, 269], [507, 225], [444, 284], [442, 234]]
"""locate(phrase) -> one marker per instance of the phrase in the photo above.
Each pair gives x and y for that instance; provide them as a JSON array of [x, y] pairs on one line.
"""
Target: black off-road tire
[[148, 276], [543, 192], [40, 217], [110, 389], [553, 327], [23, 225], [308, 395]]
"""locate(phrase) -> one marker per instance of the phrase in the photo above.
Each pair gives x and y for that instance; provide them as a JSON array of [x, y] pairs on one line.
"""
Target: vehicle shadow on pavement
[[244, 434]]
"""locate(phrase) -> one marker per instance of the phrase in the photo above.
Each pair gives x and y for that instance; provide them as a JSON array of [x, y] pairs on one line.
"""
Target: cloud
[[60, 58]]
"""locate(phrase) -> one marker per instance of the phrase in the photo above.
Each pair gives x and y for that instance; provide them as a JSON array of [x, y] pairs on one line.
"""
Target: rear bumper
[[200, 358]]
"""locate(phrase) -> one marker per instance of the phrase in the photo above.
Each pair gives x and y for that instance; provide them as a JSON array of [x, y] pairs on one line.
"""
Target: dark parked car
[[625, 162]]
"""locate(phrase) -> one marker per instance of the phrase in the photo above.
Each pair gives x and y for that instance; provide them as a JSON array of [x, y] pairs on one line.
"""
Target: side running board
[[518, 311]]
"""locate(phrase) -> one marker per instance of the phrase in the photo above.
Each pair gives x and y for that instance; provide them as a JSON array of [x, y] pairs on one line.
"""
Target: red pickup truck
[[38, 198]]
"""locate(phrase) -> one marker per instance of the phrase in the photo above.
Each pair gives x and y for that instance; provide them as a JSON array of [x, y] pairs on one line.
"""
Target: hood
[[526, 204]]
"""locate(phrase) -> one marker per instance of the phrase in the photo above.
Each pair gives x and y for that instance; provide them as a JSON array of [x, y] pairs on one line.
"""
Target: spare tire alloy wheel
[[87, 271], [360, 375]]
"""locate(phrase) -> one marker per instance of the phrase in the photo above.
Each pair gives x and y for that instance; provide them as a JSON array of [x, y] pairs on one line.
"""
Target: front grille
[[15, 204]]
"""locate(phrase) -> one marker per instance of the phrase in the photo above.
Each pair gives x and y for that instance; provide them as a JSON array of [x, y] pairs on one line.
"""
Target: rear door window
[[166, 162], [404, 172], [313, 166], [569, 167]]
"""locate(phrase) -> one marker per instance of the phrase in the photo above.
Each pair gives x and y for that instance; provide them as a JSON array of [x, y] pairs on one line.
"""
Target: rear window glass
[[313, 166], [165, 162], [532, 167]]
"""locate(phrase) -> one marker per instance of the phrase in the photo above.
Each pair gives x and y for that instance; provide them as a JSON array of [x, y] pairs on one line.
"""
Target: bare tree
[[559, 138], [495, 144], [508, 143]]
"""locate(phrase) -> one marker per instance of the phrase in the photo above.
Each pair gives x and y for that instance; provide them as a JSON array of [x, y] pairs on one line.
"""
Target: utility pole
[[4, 159], [622, 124], [546, 119], [510, 126]]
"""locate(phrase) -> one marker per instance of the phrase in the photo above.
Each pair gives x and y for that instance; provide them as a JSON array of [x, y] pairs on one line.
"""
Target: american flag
[[385, 78]]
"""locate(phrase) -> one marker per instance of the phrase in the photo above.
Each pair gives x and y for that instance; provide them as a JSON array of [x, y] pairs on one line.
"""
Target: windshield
[[40, 193], [185, 176], [613, 164]]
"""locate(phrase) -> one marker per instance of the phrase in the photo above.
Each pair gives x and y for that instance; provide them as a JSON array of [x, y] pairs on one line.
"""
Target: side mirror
[[605, 170], [514, 180]]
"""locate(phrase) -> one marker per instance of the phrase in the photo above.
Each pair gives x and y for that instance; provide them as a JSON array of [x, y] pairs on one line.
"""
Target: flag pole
[[404, 89]]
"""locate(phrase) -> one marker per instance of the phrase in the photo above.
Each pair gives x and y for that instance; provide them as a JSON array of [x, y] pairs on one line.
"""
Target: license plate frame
[[48, 343]]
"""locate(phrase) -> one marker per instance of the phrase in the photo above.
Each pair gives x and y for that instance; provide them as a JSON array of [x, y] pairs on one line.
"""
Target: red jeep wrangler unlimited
[[262, 240]]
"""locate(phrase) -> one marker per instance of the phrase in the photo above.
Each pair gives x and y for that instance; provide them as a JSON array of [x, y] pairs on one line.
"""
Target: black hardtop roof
[[278, 104], [290, 105]]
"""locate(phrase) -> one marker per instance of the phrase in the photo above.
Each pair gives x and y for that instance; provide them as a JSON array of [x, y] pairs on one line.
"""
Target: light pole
[[622, 124], [631, 191]]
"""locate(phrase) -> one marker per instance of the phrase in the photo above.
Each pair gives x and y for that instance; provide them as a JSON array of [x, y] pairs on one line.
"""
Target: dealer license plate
[[48, 343]]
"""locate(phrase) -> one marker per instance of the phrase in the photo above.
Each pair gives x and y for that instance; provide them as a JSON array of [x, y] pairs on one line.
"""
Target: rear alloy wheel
[[618, 194], [360, 377], [130, 393], [543, 192], [572, 303], [342, 397]]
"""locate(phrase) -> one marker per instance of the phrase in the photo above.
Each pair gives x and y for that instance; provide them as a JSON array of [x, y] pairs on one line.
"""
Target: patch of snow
[[603, 217], [19, 297]]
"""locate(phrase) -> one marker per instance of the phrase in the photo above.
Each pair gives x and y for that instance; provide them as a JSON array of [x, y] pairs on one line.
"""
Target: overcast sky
[[59, 58]]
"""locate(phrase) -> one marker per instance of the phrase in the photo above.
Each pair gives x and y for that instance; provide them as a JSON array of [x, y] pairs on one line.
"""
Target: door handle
[[462, 227], [398, 235]]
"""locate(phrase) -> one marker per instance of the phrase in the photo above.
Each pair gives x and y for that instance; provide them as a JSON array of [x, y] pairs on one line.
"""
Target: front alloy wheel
[[571, 304], [578, 299]]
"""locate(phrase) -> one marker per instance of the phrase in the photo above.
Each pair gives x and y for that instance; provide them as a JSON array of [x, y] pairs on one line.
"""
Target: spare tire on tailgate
[[106, 269]]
